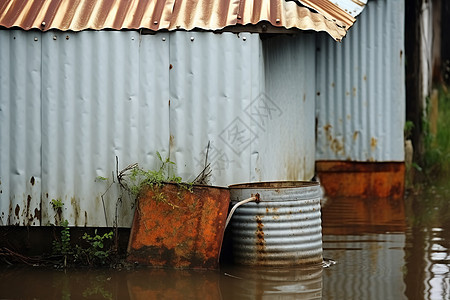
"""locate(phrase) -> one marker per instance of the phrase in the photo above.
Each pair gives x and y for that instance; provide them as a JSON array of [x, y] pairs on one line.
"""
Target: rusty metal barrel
[[283, 228]]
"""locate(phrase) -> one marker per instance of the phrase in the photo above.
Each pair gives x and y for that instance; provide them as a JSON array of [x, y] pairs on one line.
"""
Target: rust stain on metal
[[331, 11], [373, 143], [362, 179], [76, 209], [32, 180], [359, 2], [260, 241], [77, 15], [17, 210], [176, 228], [337, 146], [355, 135], [29, 217], [37, 214]]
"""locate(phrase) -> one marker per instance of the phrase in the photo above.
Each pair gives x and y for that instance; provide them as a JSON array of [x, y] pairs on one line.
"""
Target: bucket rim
[[195, 185], [269, 185]]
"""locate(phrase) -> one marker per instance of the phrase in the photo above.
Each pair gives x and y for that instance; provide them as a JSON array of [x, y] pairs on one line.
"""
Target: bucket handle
[[252, 198]]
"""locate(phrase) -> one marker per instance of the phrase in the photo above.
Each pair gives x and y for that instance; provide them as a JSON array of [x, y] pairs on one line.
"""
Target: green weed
[[436, 160]]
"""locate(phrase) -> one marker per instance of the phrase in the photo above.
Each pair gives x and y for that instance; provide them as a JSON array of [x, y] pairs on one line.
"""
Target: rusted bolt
[[257, 198]]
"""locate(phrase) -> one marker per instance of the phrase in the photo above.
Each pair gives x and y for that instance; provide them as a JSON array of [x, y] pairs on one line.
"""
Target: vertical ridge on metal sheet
[[212, 81], [285, 113], [360, 91], [93, 107], [20, 122]]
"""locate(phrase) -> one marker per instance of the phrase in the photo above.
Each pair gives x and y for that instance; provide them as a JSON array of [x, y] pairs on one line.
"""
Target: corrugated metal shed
[[66, 112], [156, 15], [360, 89]]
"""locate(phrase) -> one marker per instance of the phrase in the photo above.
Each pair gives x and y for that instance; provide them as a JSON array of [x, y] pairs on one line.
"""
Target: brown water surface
[[382, 249]]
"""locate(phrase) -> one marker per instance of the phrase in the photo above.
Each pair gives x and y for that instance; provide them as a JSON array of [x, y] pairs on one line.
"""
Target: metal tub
[[282, 229]]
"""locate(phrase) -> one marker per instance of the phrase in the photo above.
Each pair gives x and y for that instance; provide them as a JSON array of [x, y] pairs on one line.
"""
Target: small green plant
[[96, 253], [101, 178], [134, 178], [57, 204], [63, 247], [409, 126]]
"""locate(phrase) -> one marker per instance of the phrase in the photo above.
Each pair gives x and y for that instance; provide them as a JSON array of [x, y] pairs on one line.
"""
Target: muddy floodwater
[[374, 249]]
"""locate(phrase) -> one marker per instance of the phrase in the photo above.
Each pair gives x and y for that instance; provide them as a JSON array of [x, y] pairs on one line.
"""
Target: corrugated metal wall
[[286, 145], [71, 102], [20, 127], [360, 88]]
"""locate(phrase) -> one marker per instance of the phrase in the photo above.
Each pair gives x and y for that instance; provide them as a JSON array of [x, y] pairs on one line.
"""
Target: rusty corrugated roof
[[77, 15]]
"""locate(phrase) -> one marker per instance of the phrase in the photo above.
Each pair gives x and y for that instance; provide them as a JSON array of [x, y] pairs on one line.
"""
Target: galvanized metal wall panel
[[360, 89], [95, 109], [214, 78], [286, 147], [255, 109], [20, 125], [70, 104]]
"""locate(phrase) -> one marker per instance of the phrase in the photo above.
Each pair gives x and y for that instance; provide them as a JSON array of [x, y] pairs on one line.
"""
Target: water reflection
[[228, 283], [428, 243], [389, 249], [173, 284], [272, 283]]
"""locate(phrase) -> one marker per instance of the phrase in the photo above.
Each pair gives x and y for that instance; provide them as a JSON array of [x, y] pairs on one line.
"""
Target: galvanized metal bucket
[[283, 228]]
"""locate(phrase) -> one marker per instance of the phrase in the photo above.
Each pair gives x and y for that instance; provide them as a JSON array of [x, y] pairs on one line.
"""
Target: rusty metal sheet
[[156, 15], [282, 229], [178, 228], [362, 179]]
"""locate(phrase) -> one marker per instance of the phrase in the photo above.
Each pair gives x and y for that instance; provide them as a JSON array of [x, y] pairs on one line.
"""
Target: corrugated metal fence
[[71, 102]]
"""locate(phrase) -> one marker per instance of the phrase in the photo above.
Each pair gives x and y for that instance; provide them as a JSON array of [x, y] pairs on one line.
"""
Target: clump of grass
[[436, 159], [133, 179]]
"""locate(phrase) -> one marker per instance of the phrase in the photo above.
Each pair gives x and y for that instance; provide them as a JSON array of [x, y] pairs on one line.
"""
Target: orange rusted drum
[[179, 228]]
